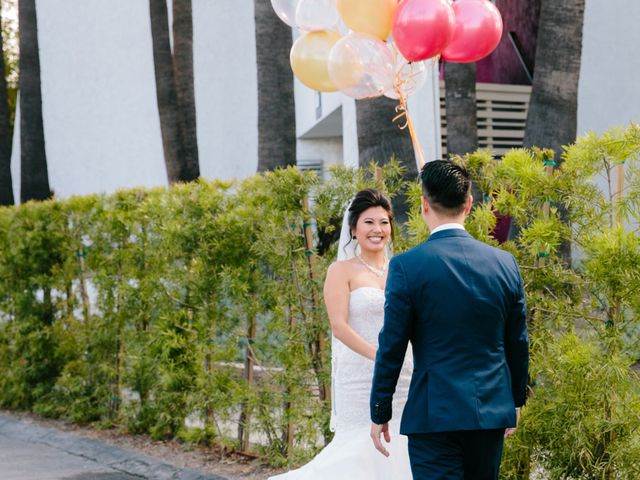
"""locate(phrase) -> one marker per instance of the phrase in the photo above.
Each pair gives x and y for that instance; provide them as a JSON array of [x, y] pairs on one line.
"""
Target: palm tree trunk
[[552, 117], [183, 71], [166, 91], [276, 108], [380, 140], [462, 125], [6, 134], [34, 178], [553, 108]]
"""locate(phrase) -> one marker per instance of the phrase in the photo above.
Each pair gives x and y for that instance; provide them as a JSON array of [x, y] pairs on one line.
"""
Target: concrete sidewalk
[[31, 452]]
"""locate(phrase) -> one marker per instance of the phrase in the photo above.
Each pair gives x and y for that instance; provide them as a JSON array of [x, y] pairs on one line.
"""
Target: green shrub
[[143, 307]]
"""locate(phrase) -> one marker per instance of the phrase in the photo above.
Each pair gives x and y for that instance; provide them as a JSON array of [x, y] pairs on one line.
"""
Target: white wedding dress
[[351, 454]]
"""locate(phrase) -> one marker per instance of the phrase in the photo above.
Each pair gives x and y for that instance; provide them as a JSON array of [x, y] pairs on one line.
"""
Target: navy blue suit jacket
[[460, 303]]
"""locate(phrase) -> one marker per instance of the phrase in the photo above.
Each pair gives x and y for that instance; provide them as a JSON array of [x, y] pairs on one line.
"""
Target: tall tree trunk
[[462, 125], [552, 117], [553, 108], [380, 139], [166, 91], [183, 71], [6, 134], [34, 178], [276, 108]]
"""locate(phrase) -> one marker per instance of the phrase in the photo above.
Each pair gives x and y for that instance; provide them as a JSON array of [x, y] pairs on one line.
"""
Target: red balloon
[[422, 28], [477, 33]]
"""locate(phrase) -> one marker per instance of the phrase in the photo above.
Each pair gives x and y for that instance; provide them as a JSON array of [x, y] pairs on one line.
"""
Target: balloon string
[[403, 113]]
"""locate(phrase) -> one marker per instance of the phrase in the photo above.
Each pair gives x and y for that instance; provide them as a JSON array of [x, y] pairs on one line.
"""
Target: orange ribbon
[[402, 111]]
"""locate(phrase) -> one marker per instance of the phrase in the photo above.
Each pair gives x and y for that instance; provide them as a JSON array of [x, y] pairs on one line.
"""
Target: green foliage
[[579, 426], [581, 419], [9, 27], [145, 308]]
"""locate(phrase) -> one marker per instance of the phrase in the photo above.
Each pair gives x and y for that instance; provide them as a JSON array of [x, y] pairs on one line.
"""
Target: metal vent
[[502, 114], [315, 165]]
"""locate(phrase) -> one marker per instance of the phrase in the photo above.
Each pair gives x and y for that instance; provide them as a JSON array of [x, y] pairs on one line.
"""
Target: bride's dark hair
[[365, 199]]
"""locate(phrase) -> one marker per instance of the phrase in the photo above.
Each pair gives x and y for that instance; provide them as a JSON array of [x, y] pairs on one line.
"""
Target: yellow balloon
[[374, 17], [309, 59]]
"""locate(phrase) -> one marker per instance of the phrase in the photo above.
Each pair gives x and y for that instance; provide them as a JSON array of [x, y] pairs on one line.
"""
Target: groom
[[460, 303]]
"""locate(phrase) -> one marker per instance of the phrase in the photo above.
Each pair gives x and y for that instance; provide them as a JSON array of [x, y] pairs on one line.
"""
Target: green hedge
[[145, 308]]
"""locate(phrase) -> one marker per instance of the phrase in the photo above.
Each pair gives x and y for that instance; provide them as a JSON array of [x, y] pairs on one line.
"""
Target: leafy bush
[[196, 312]]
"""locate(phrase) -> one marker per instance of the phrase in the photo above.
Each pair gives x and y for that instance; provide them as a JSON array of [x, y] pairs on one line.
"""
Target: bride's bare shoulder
[[340, 268], [342, 265]]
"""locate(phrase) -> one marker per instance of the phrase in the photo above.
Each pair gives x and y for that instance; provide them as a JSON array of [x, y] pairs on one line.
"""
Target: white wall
[[101, 123], [98, 96], [226, 87], [319, 126], [102, 129], [608, 93]]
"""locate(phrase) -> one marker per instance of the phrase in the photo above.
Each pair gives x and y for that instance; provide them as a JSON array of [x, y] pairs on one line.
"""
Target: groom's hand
[[510, 431], [376, 430]]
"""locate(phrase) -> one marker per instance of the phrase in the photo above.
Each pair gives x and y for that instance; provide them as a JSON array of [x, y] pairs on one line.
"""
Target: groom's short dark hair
[[446, 185]]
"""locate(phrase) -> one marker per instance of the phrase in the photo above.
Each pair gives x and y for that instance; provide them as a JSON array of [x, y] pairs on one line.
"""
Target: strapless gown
[[351, 454]]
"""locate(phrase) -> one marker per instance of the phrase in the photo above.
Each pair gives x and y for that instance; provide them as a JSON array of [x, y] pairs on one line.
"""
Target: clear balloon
[[409, 76], [286, 10], [316, 15], [361, 66], [423, 28], [374, 17], [309, 59], [477, 33]]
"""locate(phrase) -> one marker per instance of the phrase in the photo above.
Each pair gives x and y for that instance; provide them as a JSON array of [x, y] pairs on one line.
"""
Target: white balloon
[[286, 10], [361, 66], [409, 76], [314, 15]]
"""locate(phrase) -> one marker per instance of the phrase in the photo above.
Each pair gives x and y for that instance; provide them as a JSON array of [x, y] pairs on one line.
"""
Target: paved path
[[31, 452]]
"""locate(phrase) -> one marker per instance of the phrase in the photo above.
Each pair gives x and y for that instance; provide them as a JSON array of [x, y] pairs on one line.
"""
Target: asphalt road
[[31, 452], [20, 460]]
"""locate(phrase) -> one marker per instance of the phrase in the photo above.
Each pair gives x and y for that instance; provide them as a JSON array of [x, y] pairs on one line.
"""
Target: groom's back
[[461, 305], [464, 295]]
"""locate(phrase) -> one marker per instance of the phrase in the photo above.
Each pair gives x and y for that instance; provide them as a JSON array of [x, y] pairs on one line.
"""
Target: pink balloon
[[477, 33], [422, 28]]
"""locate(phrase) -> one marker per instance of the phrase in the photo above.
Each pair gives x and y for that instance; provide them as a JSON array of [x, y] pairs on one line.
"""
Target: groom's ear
[[467, 208], [425, 205]]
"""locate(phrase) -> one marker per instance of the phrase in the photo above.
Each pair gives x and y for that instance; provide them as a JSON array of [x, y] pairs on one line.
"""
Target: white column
[[349, 132], [424, 108]]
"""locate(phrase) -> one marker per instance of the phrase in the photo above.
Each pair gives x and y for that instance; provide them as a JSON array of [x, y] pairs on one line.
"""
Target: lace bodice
[[366, 312], [352, 373]]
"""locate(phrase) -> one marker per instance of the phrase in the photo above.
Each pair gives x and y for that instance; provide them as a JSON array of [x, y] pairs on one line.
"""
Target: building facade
[[101, 123]]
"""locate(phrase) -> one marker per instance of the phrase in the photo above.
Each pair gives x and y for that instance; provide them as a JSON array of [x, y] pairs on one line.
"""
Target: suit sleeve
[[517, 343], [392, 343]]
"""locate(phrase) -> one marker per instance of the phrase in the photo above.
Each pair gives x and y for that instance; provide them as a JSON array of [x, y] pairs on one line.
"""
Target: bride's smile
[[373, 230]]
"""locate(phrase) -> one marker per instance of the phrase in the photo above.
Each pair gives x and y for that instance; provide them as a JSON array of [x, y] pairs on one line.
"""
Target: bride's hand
[[374, 351]]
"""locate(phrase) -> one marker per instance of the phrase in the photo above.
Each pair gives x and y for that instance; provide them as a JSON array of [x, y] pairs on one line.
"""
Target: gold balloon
[[309, 59], [374, 17]]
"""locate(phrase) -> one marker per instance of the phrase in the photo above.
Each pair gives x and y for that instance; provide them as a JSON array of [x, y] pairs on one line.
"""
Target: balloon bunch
[[391, 43], [368, 62]]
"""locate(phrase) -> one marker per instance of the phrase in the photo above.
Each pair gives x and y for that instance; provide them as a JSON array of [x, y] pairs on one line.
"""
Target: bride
[[354, 297]]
